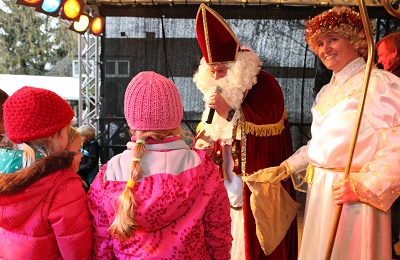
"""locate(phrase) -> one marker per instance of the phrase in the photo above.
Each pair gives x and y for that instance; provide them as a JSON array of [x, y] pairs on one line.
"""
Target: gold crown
[[334, 17]]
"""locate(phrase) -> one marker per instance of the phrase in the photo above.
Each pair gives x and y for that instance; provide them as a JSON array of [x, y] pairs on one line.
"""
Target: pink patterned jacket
[[182, 206]]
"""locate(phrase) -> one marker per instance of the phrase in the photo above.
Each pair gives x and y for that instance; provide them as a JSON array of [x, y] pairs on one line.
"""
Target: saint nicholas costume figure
[[248, 132]]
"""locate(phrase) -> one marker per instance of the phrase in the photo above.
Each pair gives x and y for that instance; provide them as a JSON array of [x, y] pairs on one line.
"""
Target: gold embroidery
[[310, 174], [266, 130], [393, 129], [204, 14], [311, 171], [334, 94], [378, 185], [324, 105], [387, 166]]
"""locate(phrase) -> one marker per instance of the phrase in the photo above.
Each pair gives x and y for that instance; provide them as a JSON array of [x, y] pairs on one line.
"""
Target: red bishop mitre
[[217, 41]]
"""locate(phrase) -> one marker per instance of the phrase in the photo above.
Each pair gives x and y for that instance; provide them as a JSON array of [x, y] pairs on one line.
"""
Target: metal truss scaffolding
[[89, 75]]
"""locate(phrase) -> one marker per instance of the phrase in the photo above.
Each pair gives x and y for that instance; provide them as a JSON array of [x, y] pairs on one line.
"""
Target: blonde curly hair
[[342, 20]]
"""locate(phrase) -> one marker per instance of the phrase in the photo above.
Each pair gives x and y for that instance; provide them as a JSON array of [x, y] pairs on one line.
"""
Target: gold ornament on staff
[[388, 5], [371, 54]]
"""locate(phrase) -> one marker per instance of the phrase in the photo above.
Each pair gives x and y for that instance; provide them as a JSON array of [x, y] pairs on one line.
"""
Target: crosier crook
[[371, 54]]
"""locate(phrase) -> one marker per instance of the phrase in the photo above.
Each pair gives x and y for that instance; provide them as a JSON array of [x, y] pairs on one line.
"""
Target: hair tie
[[141, 142], [134, 159], [130, 183]]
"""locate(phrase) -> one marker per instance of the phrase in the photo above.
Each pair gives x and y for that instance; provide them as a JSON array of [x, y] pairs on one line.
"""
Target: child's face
[[75, 146], [85, 138], [60, 141]]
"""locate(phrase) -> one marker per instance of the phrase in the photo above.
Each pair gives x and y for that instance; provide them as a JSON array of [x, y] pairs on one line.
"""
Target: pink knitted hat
[[152, 102], [35, 113]]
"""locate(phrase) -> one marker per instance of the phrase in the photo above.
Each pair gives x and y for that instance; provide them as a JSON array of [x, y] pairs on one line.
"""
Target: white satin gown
[[364, 231]]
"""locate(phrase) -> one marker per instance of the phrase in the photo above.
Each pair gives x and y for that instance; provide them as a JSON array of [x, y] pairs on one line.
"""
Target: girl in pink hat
[[158, 199]]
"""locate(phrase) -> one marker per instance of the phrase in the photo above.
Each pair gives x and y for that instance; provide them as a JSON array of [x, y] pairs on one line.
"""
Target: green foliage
[[31, 43]]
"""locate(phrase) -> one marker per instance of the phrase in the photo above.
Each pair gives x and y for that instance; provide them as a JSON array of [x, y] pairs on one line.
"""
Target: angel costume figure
[[337, 37]]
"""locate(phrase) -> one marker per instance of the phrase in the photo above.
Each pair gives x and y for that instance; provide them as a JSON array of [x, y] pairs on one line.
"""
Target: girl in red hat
[[43, 205]]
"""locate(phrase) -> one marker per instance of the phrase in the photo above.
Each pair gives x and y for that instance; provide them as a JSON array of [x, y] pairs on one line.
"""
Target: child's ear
[[395, 53]]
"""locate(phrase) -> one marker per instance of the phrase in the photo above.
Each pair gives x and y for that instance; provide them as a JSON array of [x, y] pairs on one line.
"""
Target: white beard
[[220, 128], [234, 85]]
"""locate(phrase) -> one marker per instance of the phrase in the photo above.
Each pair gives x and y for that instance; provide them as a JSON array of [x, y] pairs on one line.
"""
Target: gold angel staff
[[371, 53]]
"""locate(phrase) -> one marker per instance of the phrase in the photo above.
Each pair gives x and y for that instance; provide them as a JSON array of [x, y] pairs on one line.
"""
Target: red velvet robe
[[264, 104]]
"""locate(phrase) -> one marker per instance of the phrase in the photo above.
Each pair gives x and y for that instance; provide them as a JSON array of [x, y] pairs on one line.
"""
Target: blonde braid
[[124, 225]]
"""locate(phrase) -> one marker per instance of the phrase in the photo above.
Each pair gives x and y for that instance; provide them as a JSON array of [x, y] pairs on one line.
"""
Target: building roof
[[66, 87]]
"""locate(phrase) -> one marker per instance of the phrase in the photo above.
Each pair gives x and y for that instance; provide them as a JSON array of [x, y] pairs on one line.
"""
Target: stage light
[[49, 7], [71, 10], [81, 25], [32, 3], [96, 26]]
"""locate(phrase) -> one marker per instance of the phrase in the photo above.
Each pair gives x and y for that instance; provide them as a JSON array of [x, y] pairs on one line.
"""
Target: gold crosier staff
[[389, 8], [371, 53]]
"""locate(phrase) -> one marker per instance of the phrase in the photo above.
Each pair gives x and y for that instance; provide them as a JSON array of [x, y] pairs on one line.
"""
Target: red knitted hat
[[152, 102], [217, 41], [35, 113]]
